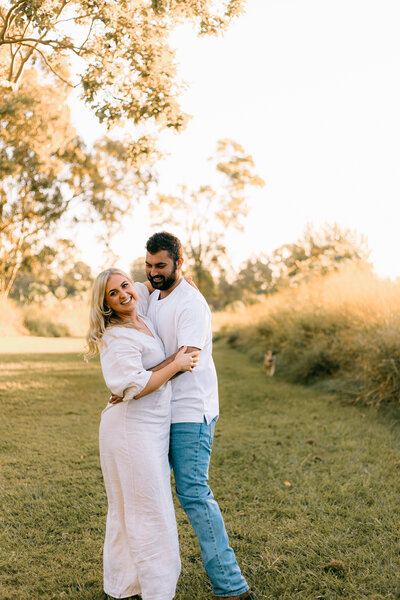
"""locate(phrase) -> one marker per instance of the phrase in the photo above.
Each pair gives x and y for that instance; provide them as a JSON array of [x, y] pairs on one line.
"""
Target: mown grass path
[[308, 486]]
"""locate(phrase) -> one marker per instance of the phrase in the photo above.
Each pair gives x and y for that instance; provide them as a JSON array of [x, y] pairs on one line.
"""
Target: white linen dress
[[141, 551]]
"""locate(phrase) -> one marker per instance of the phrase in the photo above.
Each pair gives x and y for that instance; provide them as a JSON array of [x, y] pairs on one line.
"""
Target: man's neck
[[165, 293]]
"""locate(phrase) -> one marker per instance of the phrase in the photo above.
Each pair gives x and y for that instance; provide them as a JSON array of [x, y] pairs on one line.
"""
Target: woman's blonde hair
[[101, 316]]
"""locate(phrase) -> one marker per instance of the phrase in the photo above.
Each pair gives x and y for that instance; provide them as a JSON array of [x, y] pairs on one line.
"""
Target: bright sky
[[311, 90]]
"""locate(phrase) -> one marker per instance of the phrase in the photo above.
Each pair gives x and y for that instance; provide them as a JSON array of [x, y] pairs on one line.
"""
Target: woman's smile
[[121, 295]]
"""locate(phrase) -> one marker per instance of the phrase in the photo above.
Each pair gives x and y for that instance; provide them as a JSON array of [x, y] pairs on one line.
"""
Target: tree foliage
[[317, 252], [45, 170], [55, 269], [137, 269], [124, 65], [256, 276], [205, 215], [117, 54]]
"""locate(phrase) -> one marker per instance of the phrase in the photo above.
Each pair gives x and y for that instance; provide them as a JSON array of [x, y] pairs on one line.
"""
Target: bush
[[51, 317], [11, 319], [379, 364], [346, 325], [45, 328]]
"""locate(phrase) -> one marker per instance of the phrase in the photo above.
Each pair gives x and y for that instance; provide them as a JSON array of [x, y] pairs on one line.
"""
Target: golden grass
[[74, 313], [344, 325], [11, 319], [354, 291], [71, 312]]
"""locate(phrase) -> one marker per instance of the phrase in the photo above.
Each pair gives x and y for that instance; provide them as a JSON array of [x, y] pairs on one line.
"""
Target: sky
[[311, 90]]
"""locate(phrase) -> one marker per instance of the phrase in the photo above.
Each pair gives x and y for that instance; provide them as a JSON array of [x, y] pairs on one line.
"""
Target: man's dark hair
[[165, 241]]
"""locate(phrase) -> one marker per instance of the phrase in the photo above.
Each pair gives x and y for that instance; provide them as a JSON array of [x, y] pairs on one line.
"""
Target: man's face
[[161, 270]]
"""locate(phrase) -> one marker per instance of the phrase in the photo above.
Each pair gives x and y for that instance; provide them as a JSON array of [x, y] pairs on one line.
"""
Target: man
[[182, 317]]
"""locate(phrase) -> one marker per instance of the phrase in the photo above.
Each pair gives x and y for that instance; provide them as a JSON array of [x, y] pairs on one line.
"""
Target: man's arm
[[171, 358], [168, 360], [115, 399]]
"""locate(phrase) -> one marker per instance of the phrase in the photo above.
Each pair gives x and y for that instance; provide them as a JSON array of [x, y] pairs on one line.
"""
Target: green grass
[[332, 534]]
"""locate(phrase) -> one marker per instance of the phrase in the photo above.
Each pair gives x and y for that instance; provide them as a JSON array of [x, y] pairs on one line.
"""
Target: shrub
[[11, 319], [45, 328], [346, 325]]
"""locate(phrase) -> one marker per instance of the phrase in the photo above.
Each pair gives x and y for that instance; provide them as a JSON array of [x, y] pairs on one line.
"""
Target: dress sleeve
[[144, 296], [121, 362], [194, 323]]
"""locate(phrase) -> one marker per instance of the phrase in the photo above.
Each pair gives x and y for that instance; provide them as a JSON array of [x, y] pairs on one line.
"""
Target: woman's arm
[[149, 286], [181, 361]]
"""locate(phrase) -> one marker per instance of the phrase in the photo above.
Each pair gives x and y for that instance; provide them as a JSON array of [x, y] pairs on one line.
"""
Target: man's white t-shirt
[[183, 318], [143, 298]]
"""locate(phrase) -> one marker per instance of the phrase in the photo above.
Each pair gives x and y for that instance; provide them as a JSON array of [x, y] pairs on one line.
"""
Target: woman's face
[[121, 296]]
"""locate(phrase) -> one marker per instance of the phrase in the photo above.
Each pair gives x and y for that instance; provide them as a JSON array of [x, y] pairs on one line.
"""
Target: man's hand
[[114, 399]]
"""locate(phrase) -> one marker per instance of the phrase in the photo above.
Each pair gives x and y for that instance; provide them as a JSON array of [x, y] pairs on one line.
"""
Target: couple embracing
[[148, 334]]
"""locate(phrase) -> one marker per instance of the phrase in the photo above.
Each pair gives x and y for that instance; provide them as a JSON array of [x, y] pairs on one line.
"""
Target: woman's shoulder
[[119, 332], [117, 339]]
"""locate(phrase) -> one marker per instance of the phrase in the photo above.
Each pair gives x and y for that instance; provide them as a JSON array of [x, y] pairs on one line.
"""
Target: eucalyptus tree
[[119, 50], [46, 170], [317, 252], [204, 216], [116, 54]]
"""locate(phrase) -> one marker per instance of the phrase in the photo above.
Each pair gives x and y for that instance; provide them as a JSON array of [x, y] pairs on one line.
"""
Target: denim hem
[[234, 592]]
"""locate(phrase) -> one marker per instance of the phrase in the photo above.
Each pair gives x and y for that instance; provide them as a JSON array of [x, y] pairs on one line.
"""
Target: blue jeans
[[190, 452]]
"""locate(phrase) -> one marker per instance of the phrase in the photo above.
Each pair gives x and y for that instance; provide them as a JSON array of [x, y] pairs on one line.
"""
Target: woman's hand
[[186, 361], [114, 399], [191, 282]]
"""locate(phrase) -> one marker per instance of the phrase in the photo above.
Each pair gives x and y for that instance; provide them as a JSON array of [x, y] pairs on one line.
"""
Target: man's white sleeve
[[194, 325], [144, 297]]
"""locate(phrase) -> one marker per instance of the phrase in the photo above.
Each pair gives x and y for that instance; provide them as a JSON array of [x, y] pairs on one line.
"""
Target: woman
[[141, 553]]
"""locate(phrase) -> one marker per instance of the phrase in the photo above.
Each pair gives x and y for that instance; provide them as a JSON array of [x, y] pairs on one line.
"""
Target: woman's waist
[[156, 403]]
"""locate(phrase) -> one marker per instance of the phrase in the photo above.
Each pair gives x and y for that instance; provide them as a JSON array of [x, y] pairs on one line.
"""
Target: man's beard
[[164, 283]]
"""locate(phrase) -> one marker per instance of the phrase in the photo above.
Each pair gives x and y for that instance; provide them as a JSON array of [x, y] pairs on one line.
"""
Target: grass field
[[309, 487]]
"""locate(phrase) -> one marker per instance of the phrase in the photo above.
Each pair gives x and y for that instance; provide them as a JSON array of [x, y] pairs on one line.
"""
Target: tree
[[207, 214], [117, 54], [123, 64], [137, 269], [256, 276], [54, 269], [317, 253], [46, 170]]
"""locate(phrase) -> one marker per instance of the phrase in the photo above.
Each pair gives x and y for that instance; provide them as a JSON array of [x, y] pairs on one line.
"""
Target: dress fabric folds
[[141, 550]]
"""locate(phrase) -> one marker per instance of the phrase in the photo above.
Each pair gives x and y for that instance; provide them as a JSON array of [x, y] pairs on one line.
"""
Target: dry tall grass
[[11, 319], [51, 318], [346, 325]]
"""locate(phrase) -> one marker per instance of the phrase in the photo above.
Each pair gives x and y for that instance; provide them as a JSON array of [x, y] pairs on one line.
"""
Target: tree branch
[[8, 20], [12, 62], [28, 55], [72, 19], [87, 37], [55, 44], [51, 68]]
